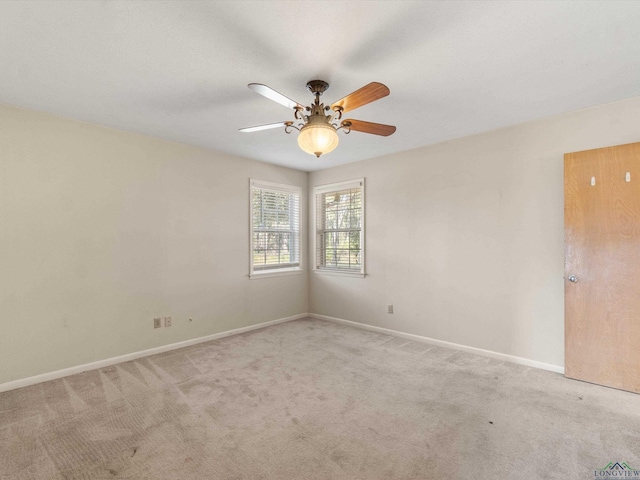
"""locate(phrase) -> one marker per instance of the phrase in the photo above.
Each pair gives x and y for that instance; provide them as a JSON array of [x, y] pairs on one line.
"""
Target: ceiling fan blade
[[369, 127], [367, 94], [265, 127], [271, 94]]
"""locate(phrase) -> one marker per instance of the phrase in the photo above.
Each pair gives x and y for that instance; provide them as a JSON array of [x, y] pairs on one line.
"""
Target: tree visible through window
[[339, 227], [275, 227]]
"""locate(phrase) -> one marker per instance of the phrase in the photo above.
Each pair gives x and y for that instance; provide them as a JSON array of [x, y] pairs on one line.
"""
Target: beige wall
[[102, 230], [465, 238]]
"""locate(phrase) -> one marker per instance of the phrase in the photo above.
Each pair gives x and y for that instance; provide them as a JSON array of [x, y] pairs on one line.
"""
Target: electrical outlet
[[157, 322], [167, 321], [389, 308]]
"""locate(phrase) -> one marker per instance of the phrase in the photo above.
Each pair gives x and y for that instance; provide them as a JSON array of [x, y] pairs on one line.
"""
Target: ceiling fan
[[318, 130]]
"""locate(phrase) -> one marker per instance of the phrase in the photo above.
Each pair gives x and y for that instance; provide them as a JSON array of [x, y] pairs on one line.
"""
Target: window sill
[[338, 273], [276, 273]]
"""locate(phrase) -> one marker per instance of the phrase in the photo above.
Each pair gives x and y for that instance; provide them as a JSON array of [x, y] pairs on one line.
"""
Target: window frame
[[336, 187], [283, 188]]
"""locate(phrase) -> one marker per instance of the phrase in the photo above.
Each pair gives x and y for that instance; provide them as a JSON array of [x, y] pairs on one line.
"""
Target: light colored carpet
[[316, 400]]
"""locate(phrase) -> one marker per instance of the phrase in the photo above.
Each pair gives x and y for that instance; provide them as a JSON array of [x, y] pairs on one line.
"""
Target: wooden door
[[602, 266]]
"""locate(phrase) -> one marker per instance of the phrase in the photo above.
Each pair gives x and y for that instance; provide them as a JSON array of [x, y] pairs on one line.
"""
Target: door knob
[[573, 279]]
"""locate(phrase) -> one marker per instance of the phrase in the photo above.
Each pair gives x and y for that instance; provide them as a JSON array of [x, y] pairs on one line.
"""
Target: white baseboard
[[441, 343], [65, 372]]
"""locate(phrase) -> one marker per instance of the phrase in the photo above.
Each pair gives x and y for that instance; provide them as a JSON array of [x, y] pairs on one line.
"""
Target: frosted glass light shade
[[318, 139]]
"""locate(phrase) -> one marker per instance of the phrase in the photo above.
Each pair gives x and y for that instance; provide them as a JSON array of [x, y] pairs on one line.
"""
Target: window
[[339, 239], [275, 228]]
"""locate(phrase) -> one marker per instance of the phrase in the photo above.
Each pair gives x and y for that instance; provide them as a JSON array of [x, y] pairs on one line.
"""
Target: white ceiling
[[178, 69]]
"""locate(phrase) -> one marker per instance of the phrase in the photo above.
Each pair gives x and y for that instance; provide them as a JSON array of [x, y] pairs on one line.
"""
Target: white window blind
[[275, 227], [339, 241]]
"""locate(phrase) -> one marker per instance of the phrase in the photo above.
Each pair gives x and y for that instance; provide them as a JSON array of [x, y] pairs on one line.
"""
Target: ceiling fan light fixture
[[318, 131], [318, 138]]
